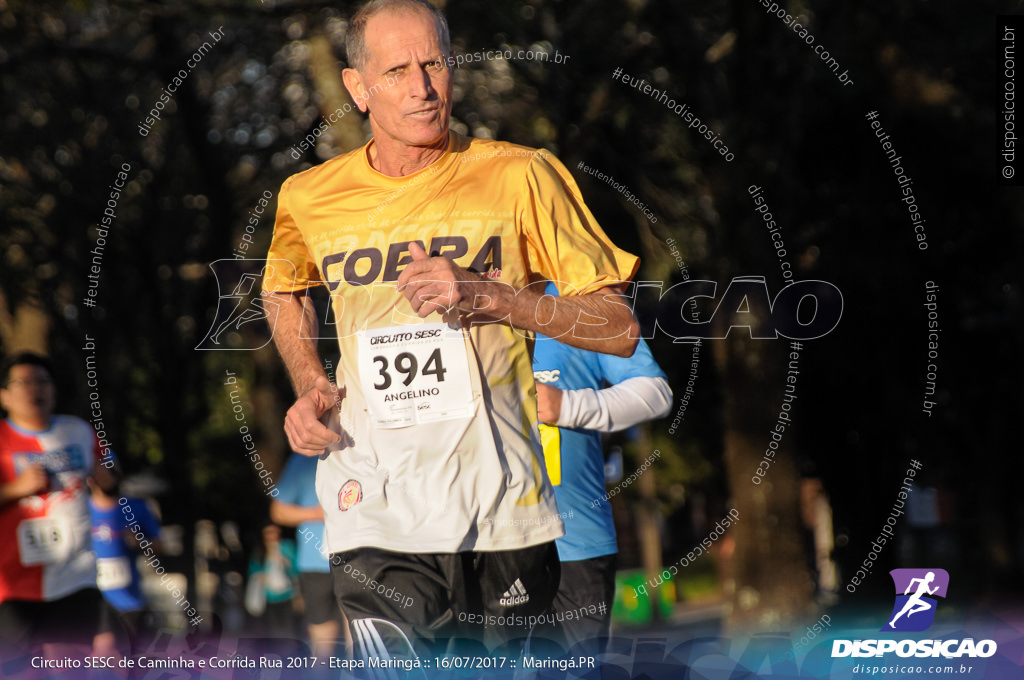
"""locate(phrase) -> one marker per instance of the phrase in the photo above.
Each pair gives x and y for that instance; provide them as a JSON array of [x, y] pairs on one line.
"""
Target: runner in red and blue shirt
[[47, 568]]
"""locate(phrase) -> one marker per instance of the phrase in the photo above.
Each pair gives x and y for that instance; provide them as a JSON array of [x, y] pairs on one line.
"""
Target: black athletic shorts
[[318, 593], [398, 603], [583, 604], [73, 619]]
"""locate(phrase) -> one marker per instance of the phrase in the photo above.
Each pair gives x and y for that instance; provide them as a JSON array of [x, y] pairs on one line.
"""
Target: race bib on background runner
[[414, 374], [46, 540], [113, 573]]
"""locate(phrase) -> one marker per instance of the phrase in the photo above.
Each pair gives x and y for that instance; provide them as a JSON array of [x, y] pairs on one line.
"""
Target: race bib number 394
[[415, 374]]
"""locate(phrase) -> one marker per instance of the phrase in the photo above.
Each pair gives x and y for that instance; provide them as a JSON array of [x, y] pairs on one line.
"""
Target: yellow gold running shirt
[[442, 452]]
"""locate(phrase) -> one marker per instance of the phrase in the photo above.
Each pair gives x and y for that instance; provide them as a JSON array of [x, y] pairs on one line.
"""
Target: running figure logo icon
[[241, 301], [915, 611]]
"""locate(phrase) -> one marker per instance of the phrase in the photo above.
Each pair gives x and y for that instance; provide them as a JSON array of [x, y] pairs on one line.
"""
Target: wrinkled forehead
[[399, 32]]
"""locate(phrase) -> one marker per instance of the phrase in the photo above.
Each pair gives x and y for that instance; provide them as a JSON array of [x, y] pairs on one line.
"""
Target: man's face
[[405, 83], [28, 395]]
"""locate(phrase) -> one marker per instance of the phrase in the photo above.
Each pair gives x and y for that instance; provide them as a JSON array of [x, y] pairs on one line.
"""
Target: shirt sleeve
[[290, 266], [616, 369], [564, 242]]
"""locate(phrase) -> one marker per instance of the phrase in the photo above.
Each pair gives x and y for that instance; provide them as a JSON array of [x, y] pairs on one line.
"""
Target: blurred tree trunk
[[773, 584], [648, 530]]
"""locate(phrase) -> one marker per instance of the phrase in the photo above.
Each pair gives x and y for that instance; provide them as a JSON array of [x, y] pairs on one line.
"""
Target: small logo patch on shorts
[[515, 595], [350, 494]]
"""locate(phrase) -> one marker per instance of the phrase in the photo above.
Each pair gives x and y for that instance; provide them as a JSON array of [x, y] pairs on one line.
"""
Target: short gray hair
[[355, 42]]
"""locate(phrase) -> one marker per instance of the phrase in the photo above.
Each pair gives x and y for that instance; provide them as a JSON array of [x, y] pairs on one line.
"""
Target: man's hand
[[432, 284], [306, 434], [549, 404]]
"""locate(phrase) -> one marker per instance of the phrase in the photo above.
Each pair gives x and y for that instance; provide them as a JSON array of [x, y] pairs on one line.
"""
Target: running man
[[117, 521], [48, 588], [433, 461], [915, 604], [581, 394]]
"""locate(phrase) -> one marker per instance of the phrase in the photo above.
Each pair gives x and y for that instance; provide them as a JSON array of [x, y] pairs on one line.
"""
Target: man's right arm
[[293, 319]]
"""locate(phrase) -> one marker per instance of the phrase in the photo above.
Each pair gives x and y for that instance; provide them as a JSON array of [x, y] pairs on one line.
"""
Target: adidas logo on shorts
[[515, 595]]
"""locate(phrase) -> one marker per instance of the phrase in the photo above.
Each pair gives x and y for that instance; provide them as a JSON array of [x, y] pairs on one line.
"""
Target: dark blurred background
[[78, 79]]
